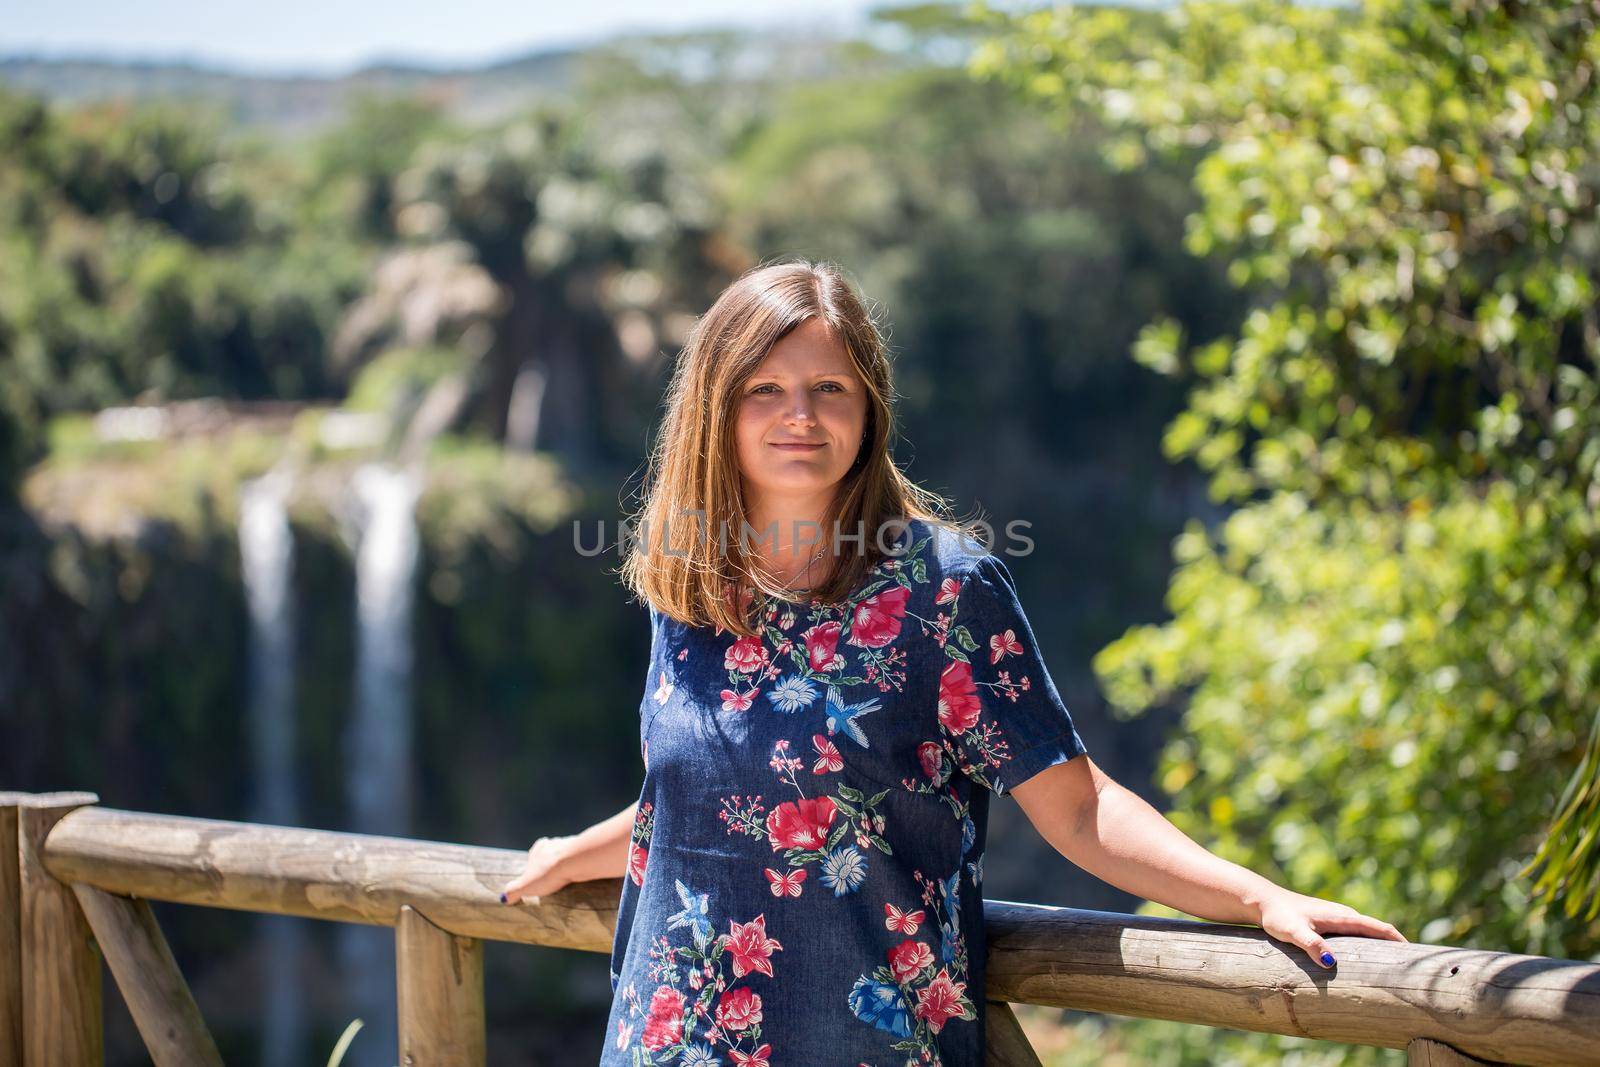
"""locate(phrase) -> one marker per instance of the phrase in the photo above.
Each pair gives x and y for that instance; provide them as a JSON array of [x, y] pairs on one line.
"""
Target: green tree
[[570, 249], [1387, 653], [141, 259], [354, 165]]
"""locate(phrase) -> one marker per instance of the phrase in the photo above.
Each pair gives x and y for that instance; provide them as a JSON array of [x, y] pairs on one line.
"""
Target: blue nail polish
[[1327, 958], [502, 898]]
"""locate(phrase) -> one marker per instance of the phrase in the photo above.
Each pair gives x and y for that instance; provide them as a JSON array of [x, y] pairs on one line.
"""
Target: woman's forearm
[[601, 851], [1126, 842], [1114, 835]]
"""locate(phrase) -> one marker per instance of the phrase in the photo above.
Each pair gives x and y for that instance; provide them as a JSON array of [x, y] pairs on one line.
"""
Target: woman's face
[[805, 392]]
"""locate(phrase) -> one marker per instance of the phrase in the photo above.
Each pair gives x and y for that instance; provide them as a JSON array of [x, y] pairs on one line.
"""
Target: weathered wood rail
[[75, 879]]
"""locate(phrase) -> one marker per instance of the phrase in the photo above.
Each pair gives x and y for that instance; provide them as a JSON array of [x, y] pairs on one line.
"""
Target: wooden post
[[440, 985], [10, 932], [1421, 1052], [61, 1019], [148, 978], [1005, 1045]]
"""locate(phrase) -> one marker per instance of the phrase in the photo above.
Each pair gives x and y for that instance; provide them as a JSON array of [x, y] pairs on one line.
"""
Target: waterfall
[[266, 554], [378, 741]]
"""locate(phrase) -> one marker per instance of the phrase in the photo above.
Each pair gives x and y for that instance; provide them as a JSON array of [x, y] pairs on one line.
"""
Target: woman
[[839, 678]]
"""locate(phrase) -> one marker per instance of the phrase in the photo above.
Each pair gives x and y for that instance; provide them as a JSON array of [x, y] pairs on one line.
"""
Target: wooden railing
[[75, 886]]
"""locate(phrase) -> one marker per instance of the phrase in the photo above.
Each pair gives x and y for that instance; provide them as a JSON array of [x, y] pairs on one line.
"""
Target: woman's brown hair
[[689, 554]]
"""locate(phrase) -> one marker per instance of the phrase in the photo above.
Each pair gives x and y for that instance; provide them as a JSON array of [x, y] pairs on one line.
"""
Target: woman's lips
[[797, 448]]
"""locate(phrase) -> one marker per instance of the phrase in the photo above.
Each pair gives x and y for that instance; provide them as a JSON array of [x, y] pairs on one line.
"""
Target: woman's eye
[[835, 387]]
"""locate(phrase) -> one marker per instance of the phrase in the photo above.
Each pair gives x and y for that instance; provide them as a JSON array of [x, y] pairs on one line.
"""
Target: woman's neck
[[788, 529], [790, 539]]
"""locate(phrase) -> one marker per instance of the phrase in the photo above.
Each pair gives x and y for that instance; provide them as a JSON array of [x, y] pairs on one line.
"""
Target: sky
[[335, 36]]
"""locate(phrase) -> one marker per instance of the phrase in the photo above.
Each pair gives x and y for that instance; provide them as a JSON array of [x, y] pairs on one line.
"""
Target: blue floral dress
[[804, 878]]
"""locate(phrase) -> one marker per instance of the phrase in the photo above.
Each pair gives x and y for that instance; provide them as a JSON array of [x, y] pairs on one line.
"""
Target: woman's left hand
[[1301, 920]]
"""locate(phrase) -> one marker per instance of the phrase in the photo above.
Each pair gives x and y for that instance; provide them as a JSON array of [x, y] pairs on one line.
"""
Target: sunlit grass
[[343, 1044]]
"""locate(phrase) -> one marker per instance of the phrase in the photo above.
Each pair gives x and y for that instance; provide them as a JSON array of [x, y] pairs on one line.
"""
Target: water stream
[[266, 557], [377, 747]]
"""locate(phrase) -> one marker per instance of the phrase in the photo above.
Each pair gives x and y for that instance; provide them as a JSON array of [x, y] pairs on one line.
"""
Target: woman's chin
[[789, 479]]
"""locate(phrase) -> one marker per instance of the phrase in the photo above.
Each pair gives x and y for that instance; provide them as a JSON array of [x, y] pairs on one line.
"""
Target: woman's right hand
[[544, 873]]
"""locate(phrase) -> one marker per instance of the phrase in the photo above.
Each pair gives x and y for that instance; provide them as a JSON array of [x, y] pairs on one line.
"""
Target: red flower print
[[738, 1009], [758, 1058], [904, 922], [746, 655], [1002, 645], [732, 701], [786, 883], [750, 946], [949, 590], [822, 644], [958, 698], [876, 621], [940, 1000], [828, 758], [909, 957], [801, 823], [637, 857], [930, 755], [664, 1026]]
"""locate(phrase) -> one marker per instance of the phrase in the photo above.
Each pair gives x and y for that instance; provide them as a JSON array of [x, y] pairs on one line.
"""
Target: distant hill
[[291, 103], [301, 103], [294, 103]]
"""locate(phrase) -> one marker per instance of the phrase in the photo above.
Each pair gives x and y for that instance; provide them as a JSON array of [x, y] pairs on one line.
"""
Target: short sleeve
[[997, 702], [658, 683]]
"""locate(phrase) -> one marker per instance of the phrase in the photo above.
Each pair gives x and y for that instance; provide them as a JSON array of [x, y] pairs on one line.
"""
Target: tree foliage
[[1388, 652], [141, 255]]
